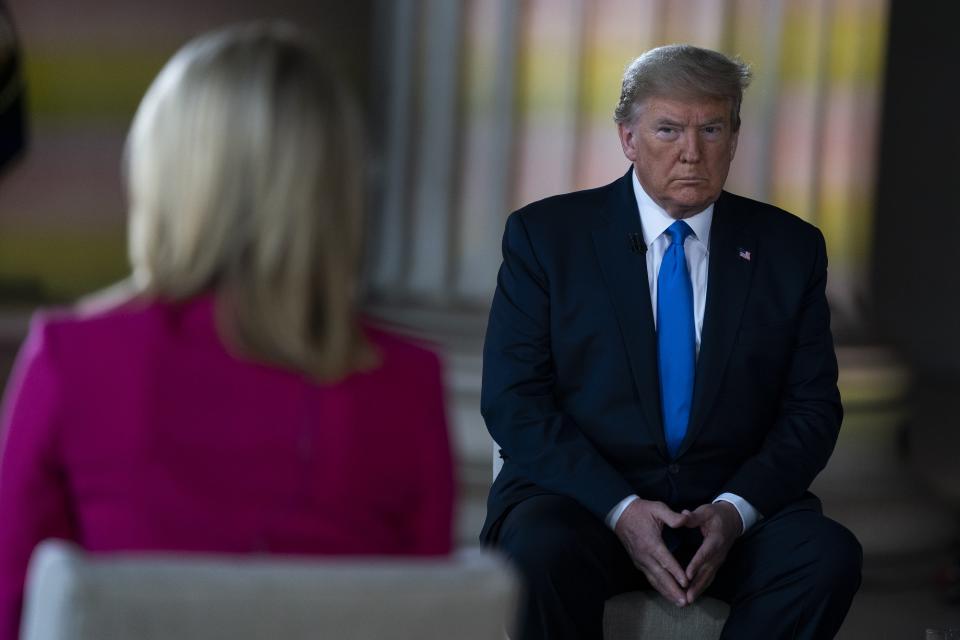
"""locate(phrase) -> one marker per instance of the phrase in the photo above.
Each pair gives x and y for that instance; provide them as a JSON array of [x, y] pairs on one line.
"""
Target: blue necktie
[[676, 337]]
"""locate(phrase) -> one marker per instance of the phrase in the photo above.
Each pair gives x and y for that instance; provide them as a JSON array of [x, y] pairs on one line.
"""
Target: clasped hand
[[640, 527]]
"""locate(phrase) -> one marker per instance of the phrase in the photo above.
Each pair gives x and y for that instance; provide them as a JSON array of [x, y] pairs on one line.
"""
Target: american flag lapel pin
[[744, 254]]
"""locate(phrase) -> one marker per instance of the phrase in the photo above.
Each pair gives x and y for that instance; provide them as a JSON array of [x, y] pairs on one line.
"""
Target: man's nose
[[690, 148]]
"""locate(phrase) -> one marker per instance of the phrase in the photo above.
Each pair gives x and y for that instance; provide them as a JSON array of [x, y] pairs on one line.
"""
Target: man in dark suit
[[660, 375]]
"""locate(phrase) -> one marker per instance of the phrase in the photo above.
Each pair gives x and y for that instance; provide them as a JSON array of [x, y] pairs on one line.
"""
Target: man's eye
[[711, 129]]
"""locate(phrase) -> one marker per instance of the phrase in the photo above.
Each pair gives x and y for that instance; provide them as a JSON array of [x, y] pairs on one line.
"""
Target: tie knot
[[679, 231]]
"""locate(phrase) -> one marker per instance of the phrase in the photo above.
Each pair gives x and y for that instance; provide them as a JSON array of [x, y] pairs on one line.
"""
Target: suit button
[[674, 468]]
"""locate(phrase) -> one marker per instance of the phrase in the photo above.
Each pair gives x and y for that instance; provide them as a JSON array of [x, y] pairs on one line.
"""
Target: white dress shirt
[[696, 248]]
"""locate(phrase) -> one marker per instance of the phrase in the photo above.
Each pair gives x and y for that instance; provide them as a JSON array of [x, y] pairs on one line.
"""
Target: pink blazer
[[135, 429]]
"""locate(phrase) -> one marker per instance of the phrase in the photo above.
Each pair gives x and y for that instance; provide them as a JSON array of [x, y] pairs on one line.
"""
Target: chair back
[[124, 596]]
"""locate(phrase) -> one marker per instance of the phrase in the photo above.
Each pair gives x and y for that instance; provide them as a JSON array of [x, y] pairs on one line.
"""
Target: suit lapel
[[625, 273], [732, 257]]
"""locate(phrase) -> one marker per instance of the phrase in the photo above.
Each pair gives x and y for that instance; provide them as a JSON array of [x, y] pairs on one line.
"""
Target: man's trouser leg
[[571, 563], [793, 575]]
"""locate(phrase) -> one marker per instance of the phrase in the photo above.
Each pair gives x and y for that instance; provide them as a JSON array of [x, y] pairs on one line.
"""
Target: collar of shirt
[[655, 220]]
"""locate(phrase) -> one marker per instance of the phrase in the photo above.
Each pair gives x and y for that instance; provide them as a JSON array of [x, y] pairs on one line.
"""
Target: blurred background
[[476, 107]]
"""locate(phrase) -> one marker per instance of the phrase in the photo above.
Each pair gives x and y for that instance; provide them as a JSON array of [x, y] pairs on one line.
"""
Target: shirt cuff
[[614, 515], [748, 515]]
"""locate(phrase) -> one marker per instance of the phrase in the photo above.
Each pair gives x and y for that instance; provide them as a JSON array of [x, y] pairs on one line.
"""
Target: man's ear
[[733, 144], [628, 140]]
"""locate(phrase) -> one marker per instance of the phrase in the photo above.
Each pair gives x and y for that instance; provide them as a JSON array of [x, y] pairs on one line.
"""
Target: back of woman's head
[[243, 169]]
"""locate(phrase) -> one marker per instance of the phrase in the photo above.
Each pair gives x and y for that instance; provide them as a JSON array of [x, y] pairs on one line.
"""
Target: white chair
[[79, 596], [642, 615]]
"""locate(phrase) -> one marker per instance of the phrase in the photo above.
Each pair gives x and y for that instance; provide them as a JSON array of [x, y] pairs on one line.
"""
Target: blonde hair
[[243, 172]]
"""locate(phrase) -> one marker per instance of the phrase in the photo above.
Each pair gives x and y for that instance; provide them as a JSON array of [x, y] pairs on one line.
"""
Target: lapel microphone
[[637, 245]]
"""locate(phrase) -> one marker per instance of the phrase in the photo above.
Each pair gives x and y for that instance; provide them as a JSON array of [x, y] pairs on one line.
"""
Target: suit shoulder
[[558, 210], [78, 342], [773, 219], [76, 324]]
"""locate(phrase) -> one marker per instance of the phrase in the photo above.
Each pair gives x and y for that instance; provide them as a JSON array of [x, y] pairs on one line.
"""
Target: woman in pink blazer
[[226, 398]]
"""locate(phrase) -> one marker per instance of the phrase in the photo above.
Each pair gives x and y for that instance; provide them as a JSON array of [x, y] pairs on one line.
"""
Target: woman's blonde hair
[[243, 173]]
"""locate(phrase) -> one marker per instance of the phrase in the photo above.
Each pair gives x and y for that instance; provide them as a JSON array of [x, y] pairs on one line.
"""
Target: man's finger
[[705, 553], [664, 583], [662, 556], [670, 517], [707, 573], [697, 518]]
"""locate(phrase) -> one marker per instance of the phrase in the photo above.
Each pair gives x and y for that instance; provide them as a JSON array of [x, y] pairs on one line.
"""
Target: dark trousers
[[793, 575]]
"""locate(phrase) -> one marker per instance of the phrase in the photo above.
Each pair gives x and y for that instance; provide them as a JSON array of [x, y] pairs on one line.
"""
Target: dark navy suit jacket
[[570, 384]]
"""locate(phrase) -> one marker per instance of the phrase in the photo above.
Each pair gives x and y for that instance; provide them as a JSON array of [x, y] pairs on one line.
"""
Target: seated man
[[660, 374]]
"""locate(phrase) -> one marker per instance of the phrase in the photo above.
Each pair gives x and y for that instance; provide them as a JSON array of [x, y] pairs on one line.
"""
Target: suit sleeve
[[431, 518], [804, 433], [518, 398], [33, 491]]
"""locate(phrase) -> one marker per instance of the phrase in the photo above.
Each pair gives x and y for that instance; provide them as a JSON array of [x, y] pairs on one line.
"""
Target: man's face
[[681, 151]]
